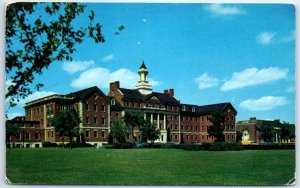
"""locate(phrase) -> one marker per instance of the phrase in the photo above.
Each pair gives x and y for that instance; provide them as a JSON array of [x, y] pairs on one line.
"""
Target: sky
[[209, 53]]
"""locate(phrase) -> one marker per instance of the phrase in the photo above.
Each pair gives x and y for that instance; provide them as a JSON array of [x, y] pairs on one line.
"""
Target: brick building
[[176, 121], [250, 130]]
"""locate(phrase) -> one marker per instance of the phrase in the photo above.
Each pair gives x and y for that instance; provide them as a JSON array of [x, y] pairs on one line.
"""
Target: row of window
[[95, 134], [96, 108], [95, 120], [27, 136]]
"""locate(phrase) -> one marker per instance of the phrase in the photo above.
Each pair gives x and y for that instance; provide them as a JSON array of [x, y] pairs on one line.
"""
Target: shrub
[[49, 144], [225, 146], [79, 145]]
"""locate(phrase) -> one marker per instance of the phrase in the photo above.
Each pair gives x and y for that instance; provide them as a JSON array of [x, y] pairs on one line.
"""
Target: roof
[[206, 109], [135, 95], [163, 98], [132, 94], [143, 66], [116, 106], [82, 94]]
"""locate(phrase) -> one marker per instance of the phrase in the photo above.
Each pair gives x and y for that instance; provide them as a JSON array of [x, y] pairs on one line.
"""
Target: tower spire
[[143, 85]]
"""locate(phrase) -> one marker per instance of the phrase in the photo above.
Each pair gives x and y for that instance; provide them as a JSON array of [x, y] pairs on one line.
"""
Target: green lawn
[[149, 167]]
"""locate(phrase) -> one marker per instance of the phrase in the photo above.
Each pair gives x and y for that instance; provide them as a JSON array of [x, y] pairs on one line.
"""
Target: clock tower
[[143, 85]]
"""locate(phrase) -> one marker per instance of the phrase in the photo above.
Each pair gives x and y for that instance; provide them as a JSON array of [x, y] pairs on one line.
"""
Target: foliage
[[11, 129], [133, 120], [149, 132], [225, 146], [217, 127], [49, 144], [34, 41], [239, 136], [266, 133], [120, 130], [287, 131], [66, 123]]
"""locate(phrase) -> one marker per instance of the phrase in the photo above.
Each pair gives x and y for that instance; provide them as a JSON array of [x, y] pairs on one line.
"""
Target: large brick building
[[176, 121]]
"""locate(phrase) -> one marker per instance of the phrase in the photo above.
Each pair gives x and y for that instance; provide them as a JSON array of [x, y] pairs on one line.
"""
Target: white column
[[165, 121], [151, 119], [157, 121], [145, 116]]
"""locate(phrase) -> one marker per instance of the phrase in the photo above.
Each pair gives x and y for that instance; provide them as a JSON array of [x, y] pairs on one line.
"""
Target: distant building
[[176, 121], [250, 130]]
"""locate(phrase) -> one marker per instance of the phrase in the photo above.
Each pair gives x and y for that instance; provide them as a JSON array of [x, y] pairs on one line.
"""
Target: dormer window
[[183, 108], [193, 109], [113, 102]]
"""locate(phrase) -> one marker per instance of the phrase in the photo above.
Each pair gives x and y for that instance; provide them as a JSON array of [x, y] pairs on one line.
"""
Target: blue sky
[[209, 53]]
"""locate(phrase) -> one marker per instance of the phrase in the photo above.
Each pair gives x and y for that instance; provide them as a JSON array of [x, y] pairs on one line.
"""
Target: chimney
[[252, 119], [166, 91], [114, 85], [171, 92]]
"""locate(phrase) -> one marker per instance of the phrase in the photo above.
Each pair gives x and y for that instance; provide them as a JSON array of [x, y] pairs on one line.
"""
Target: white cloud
[[265, 38], [108, 58], [102, 77], [13, 115], [288, 38], [77, 66], [290, 89], [218, 9], [253, 76], [204, 81], [264, 103], [153, 82]]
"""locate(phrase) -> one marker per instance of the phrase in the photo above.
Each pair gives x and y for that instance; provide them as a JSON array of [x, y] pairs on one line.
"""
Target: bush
[[49, 144], [118, 146], [270, 147], [79, 145], [225, 146]]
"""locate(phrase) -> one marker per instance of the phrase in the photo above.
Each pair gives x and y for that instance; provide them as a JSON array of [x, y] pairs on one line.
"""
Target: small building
[[250, 130]]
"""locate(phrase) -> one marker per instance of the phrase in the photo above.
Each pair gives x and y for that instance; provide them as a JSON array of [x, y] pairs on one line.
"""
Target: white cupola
[[143, 85]]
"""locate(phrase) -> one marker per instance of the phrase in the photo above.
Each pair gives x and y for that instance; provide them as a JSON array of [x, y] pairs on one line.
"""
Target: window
[[103, 120], [206, 137], [181, 127], [228, 137], [18, 136], [202, 118], [37, 136], [176, 127], [196, 128], [232, 118], [117, 114], [87, 119], [187, 128], [87, 133], [192, 137], [193, 109], [175, 136], [207, 118], [197, 119], [228, 118], [187, 137], [113, 102], [202, 137], [52, 134], [31, 125], [171, 117], [103, 134], [87, 107], [95, 107], [202, 128], [171, 137], [27, 135], [232, 137], [48, 133], [103, 108], [191, 127], [95, 134], [95, 120]]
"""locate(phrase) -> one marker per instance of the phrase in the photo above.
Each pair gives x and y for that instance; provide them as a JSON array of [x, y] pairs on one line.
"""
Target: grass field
[[149, 167]]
